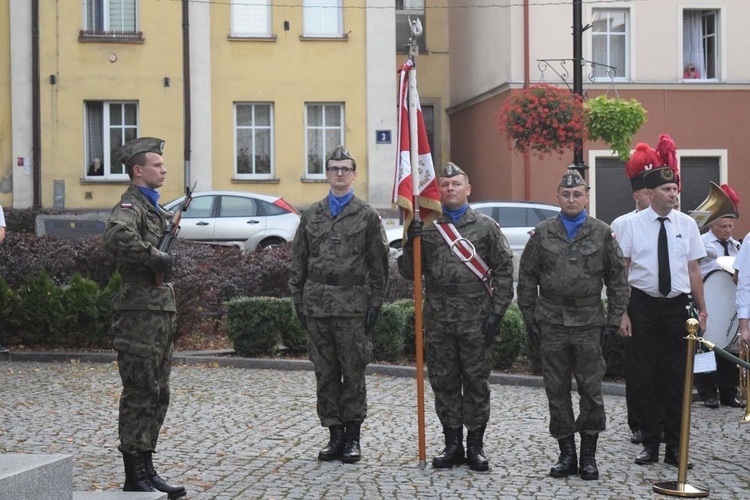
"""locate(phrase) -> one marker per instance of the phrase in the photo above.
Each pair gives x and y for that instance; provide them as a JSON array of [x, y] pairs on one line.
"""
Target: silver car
[[247, 220]]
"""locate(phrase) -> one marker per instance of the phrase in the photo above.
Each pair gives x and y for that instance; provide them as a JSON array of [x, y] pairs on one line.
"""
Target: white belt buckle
[[458, 254]]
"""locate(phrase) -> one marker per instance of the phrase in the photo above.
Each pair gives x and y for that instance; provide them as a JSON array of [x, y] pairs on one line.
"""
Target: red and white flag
[[429, 193]]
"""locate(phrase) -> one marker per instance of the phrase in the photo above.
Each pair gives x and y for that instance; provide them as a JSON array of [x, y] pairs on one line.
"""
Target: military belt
[[145, 277], [572, 301], [336, 280], [456, 288]]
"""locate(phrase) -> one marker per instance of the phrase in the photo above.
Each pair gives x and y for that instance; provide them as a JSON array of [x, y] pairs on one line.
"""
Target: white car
[[247, 220]]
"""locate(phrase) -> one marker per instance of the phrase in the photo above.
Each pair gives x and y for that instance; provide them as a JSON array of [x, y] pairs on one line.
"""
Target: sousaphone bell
[[715, 206]]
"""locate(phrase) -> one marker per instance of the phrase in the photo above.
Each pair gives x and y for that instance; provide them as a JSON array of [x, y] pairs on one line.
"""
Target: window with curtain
[[108, 126], [609, 41], [700, 47], [251, 18], [324, 130], [322, 18], [406, 9], [110, 15], [253, 132]]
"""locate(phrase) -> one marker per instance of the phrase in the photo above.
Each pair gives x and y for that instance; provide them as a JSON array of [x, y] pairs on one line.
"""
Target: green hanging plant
[[614, 121]]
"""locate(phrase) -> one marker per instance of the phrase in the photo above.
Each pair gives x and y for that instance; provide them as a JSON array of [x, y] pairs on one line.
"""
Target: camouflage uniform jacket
[[440, 266], [351, 246], [132, 235], [555, 273]]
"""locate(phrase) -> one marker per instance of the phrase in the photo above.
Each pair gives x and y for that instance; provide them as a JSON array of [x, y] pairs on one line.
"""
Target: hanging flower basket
[[614, 121], [543, 119]]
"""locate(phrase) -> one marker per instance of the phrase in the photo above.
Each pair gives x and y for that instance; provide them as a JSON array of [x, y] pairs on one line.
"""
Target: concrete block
[[118, 495], [36, 477]]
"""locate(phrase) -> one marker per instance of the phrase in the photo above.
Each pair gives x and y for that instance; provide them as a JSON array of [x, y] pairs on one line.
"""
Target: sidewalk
[[252, 432]]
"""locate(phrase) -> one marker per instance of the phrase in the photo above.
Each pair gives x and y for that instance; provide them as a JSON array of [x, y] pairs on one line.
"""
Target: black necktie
[[725, 244], [665, 277]]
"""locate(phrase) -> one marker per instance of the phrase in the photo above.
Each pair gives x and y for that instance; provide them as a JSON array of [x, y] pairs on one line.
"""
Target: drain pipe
[[36, 138], [186, 88], [526, 80]]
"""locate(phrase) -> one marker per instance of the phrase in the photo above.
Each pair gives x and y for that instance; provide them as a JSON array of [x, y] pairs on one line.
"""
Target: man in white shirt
[[661, 248], [719, 242], [742, 268]]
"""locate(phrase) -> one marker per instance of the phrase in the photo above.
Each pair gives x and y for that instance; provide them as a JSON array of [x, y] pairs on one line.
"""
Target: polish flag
[[429, 193]]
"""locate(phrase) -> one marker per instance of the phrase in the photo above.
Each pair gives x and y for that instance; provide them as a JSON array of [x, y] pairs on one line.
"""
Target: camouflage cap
[[571, 179], [340, 153], [659, 176], [451, 170], [140, 145]]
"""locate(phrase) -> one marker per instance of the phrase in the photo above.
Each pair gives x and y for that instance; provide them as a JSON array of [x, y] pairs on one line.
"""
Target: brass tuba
[[715, 206]]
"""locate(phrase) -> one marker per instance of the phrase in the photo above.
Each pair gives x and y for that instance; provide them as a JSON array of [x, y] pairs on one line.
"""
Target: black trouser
[[658, 363]]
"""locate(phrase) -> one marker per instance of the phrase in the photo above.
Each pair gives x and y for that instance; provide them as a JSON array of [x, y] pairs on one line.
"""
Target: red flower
[[543, 119]]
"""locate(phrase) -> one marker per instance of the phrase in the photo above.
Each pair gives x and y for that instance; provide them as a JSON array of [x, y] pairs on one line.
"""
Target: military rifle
[[173, 228]]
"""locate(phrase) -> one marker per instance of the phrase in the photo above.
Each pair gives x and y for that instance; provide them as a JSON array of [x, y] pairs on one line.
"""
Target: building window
[[322, 18], [324, 127], [111, 15], [609, 42], [253, 125], [109, 125], [696, 172], [700, 44], [406, 9], [251, 18]]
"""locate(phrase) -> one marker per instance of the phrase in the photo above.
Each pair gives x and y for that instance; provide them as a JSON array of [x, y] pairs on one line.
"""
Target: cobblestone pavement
[[238, 433]]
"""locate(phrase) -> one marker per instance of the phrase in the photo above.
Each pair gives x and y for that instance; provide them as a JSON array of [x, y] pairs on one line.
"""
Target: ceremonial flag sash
[[465, 251]]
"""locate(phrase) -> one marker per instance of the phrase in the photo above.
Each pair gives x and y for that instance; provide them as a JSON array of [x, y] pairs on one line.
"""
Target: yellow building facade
[[248, 95]]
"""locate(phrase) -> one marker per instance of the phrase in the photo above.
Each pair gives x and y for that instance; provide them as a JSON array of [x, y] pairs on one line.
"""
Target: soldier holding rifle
[[143, 320]]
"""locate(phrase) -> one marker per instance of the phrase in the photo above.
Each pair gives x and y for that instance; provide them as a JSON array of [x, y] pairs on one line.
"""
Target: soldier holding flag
[[468, 272]]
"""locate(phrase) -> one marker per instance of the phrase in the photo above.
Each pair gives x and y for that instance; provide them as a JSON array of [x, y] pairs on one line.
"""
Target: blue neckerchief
[[572, 225], [337, 203], [151, 195], [456, 213]]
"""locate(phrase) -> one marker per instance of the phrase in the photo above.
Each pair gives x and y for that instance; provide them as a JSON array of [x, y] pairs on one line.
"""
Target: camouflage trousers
[[340, 351], [459, 369], [144, 374], [568, 351]]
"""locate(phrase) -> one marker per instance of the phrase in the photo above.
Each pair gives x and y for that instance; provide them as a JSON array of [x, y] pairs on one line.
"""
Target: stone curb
[[223, 358]]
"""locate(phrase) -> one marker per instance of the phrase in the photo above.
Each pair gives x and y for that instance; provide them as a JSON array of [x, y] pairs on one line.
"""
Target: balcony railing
[[110, 36]]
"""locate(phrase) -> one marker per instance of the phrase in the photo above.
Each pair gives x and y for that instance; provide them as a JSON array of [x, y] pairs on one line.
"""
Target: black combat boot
[[136, 478], [171, 490], [567, 462], [351, 451], [587, 469], [474, 450], [335, 445], [453, 454]]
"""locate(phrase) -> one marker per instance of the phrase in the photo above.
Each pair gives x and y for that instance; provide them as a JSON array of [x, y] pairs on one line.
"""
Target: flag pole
[[416, 31]]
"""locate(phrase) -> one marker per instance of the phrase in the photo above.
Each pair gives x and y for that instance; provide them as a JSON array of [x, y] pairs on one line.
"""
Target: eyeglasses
[[339, 170], [577, 195]]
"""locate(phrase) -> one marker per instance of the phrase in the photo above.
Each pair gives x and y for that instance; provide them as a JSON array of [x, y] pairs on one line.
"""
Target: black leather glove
[[300, 313], [608, 332], [163, 263], [414, 230], [535, 336], [371, 317], [491, 325]]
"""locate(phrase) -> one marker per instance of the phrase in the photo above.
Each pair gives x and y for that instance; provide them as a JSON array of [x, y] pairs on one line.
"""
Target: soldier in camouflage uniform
[[143, 318], [339, 272], [563, 267], [461, 317]]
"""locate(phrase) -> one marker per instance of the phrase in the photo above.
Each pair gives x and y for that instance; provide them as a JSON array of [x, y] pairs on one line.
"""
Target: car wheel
[[270, 242], [395, 244]]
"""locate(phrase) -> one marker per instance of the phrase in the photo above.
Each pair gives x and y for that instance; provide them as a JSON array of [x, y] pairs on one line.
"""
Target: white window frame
[[411, 9], [107, 6], [623, 74], [327, 148], [720, 48], [107, 147], [244, 14], [314, 22], [254, 127]]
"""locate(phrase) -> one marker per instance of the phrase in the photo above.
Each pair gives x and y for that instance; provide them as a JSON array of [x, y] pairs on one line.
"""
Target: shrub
[[407, 306], [255, 324], [512, 337], [8, 304], [615, 358], [39, 314], [86, 322], [388, 334]]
